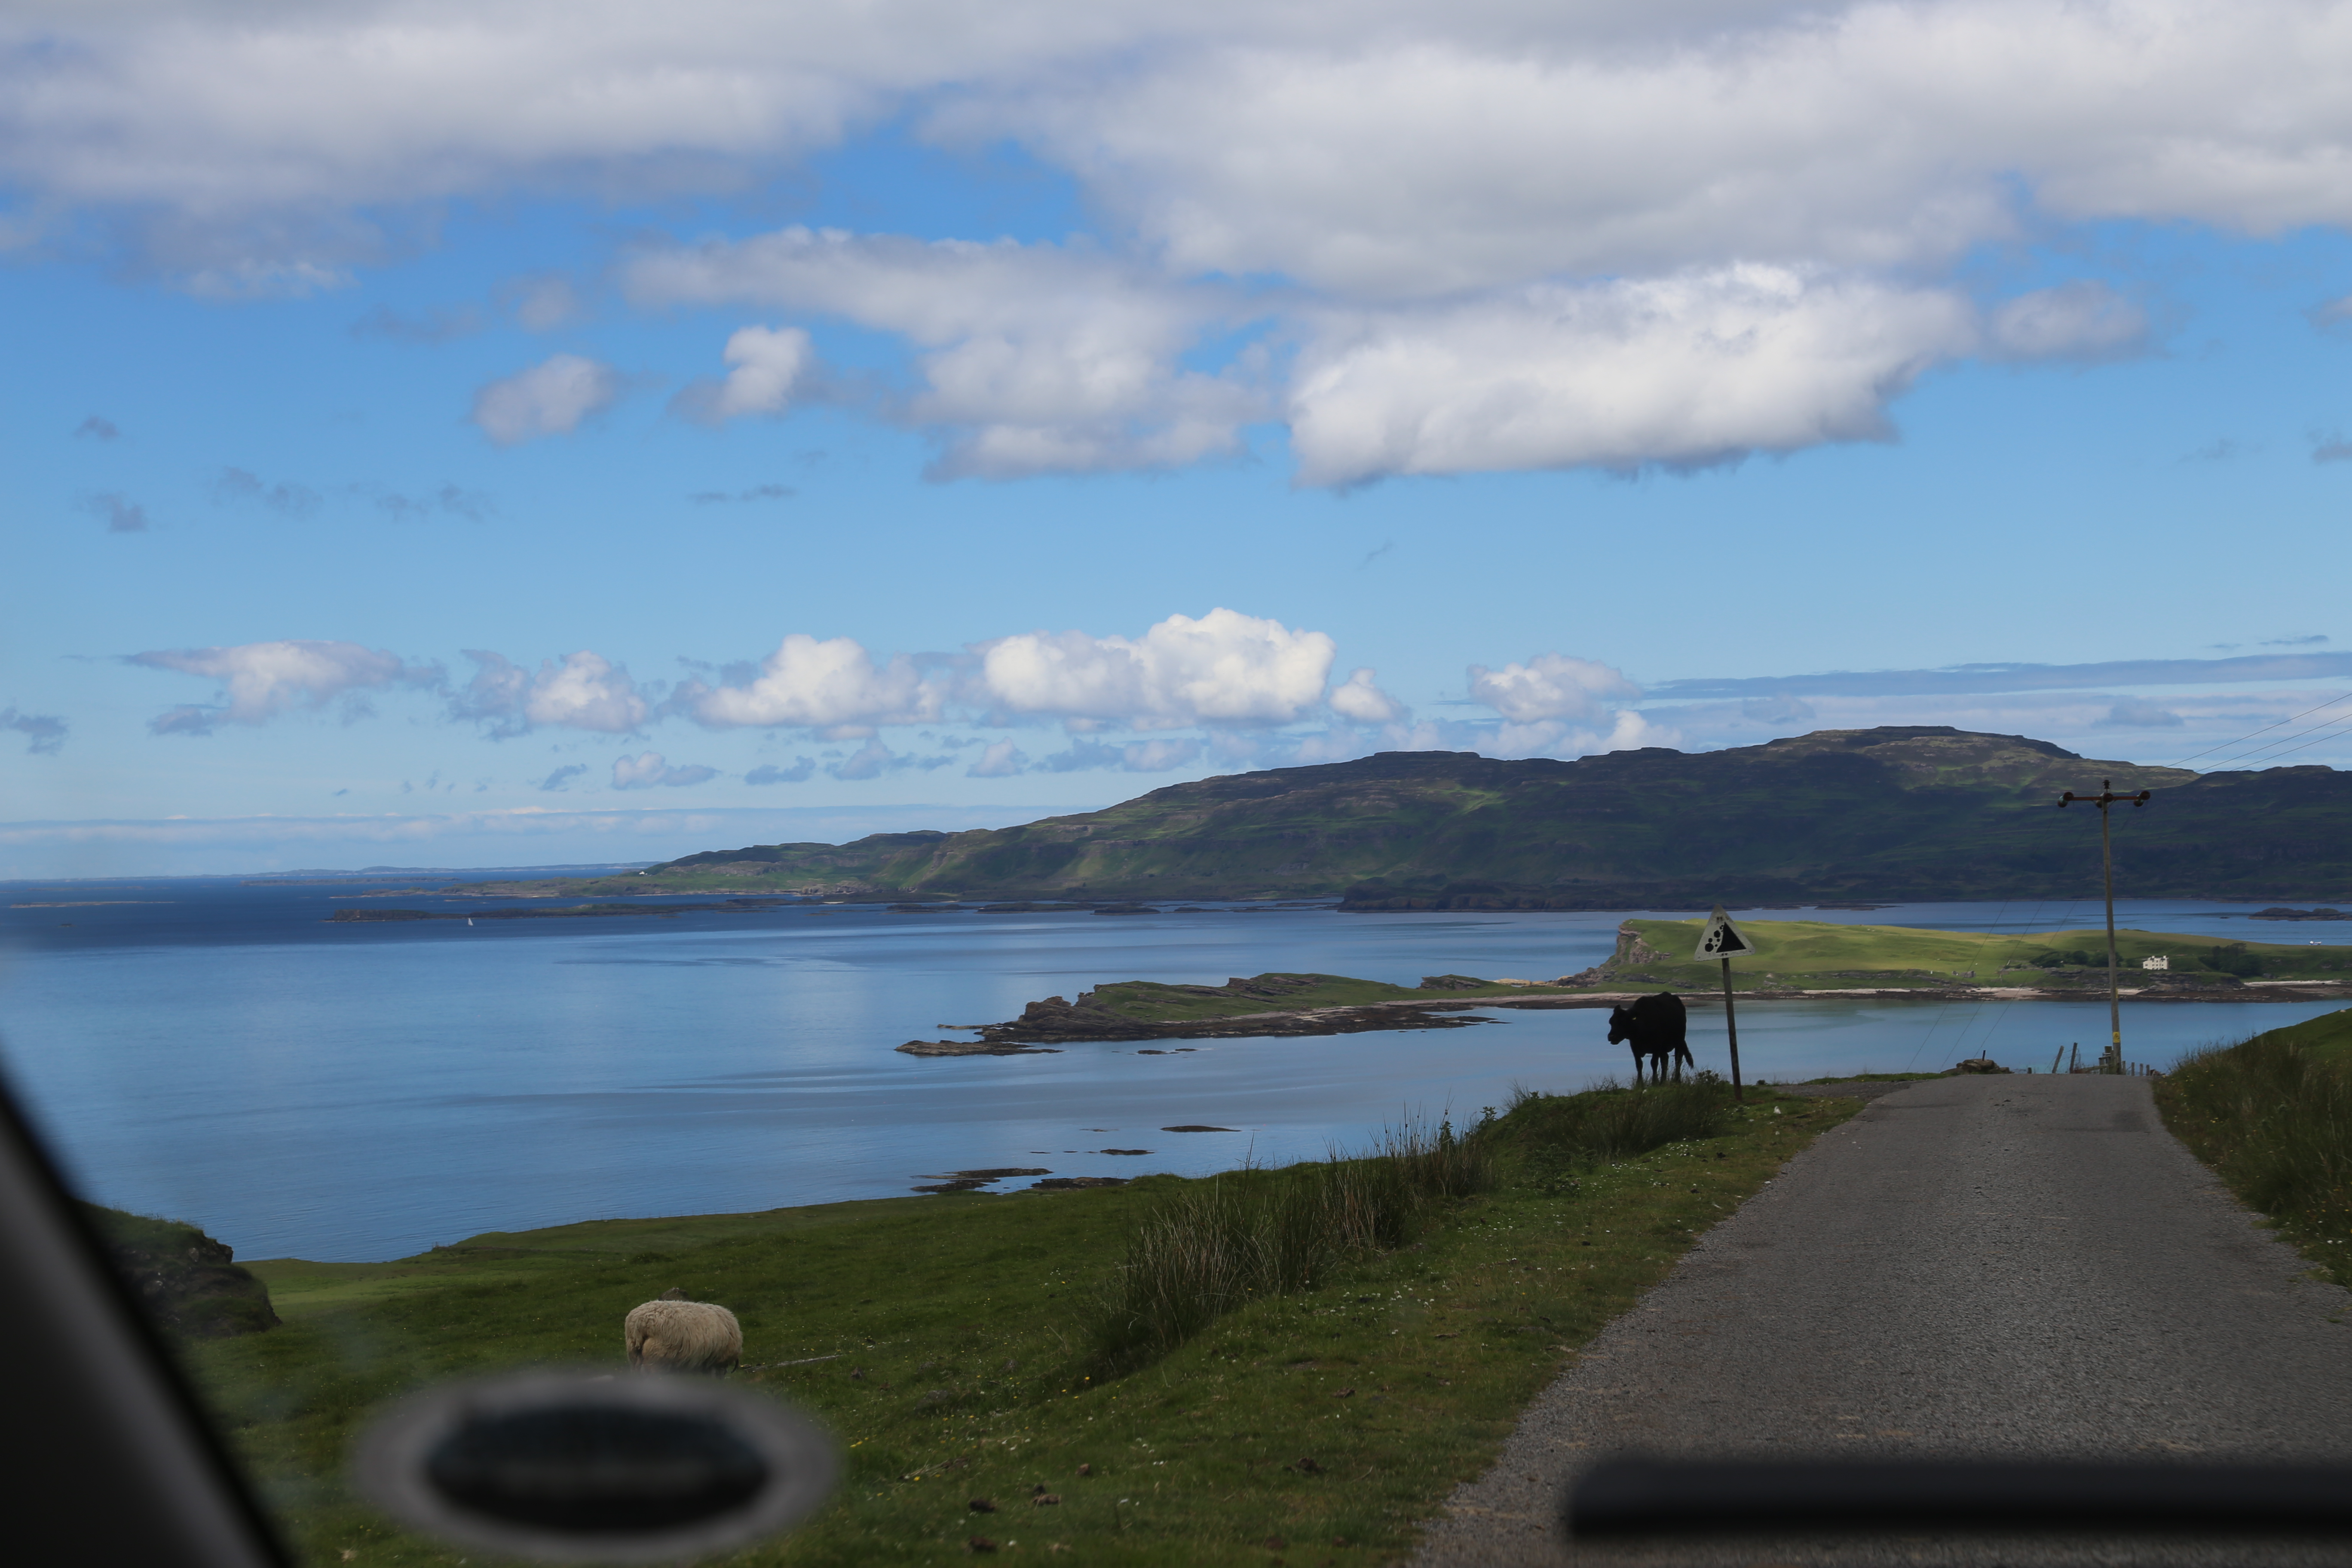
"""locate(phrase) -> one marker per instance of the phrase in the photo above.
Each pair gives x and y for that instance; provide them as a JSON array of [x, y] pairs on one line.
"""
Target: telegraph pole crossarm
[[2108, 797]]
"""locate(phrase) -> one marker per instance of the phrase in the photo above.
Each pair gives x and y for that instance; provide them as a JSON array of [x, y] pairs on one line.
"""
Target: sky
[[459, 435]]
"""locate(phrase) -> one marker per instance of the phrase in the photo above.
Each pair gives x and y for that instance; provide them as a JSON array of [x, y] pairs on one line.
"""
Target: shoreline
[[1012, 1040]]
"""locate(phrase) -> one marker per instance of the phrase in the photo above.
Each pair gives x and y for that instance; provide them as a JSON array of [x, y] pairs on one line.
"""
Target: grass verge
[[1314, 1427], [2272, 1116]]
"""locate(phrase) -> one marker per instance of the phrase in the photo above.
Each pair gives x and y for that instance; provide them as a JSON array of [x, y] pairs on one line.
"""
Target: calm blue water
[[217, 1053]]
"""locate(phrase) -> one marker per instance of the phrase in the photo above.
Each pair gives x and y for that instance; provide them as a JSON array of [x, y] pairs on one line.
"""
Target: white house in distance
[[2160, 960]]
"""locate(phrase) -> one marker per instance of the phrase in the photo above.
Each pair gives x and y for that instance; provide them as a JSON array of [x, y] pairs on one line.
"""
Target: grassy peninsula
[[1824, 955], [1318, 1425], [1896, 813]]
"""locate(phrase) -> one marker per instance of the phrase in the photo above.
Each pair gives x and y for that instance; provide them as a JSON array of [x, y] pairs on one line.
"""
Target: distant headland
[[1903, 812]]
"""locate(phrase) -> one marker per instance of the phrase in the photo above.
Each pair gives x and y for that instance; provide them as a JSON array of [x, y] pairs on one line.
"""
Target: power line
[[2265, 730], [2306, 746]]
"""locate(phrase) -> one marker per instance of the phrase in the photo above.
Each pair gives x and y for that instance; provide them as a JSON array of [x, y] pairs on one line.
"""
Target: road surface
[[2004, 1266]]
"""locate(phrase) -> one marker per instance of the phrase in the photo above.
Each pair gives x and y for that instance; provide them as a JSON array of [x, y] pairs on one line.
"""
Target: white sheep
[[674, 1334]]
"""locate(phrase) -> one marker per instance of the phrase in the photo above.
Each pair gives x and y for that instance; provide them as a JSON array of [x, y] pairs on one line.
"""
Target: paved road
[[2005, 1267]]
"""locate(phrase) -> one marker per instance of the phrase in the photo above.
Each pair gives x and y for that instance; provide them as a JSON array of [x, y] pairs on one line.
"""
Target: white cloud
[[1550, 686], [262, 681], [1224, 668], [871, 760], [765, 365], [2083, 320], [647, 770], [1420, 186], [1035, 358], [815, 685], [551, 398], [1359, 699], [1138, 757], [1690, 369], [585, 691], [1628, 730], [1001, 760], [1157, 756]]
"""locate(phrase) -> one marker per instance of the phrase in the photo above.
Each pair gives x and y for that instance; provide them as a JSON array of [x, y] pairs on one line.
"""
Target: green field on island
[[1828, 955]]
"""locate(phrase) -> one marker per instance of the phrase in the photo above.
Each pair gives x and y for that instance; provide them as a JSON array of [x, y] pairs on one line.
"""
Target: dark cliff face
[[187, 1282], [1910, 811]]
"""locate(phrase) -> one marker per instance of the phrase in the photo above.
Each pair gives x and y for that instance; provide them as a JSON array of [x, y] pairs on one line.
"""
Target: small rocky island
[[1259, 1006]]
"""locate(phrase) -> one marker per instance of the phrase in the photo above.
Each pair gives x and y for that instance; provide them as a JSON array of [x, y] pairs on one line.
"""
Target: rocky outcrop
[[1632, 949], [188, 1283]]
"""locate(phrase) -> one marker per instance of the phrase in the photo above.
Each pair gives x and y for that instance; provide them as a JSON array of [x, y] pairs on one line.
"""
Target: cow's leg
[[1637, 1066]]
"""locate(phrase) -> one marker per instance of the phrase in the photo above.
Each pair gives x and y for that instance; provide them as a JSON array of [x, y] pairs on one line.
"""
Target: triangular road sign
[[1721, 939]]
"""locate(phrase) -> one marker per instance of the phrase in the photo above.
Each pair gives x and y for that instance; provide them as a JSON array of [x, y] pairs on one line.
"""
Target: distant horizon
[[685, 832]]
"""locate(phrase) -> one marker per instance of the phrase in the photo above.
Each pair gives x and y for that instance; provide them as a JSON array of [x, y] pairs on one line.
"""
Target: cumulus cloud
[[261, 680], [45, 734], [1000, 760], [1360, 699], [1138, 757], [1460, 210], [1692, 369], [826, 685], [769, 773], [1035, 358], [649, 769], [561, 778], [765, 365], [1550, 686], [551, 398], [1225, 668], [584, 691], [871, 760], [98, 427], [2079, 320]]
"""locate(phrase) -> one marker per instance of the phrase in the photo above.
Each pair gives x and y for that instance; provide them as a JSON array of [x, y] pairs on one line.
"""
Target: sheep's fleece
[[674, 1335]]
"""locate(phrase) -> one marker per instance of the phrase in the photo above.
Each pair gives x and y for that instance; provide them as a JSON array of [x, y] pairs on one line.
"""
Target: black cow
[[1655, 1024]]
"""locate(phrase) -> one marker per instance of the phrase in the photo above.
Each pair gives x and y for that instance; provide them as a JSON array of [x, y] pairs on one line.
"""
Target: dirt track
[[2005, 1267]]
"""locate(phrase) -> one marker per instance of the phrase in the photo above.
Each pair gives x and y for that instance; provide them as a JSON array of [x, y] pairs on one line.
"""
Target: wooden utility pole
[[2103, 800]]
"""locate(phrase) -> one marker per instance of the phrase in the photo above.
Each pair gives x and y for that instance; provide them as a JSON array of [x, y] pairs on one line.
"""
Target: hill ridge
[[1894, 813]]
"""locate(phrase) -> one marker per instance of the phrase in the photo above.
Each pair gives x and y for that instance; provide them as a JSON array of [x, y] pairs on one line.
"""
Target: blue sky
[[457, 437]]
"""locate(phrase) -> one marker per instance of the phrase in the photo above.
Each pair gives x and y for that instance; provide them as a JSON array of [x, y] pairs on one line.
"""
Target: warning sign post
[[1724, 940]]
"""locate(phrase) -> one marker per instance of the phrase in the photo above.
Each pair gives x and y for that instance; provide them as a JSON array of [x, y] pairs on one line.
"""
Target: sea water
[[222, 1054]]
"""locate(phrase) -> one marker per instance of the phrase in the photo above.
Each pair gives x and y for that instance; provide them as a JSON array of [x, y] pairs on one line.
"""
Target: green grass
[[966, 1366], [2328, 1037], [1828, 955], [2272, 1116]]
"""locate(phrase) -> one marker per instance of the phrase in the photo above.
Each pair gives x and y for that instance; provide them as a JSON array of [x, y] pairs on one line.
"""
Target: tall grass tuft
[[1609, 1123], [1250, 1234], [2273, 1118]]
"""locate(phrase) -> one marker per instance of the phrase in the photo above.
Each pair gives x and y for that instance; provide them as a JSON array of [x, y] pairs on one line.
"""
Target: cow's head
[[1620, 1023]]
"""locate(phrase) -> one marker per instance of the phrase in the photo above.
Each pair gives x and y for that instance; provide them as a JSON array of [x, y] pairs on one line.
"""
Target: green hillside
[[1823, 955], [1897, 812]]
